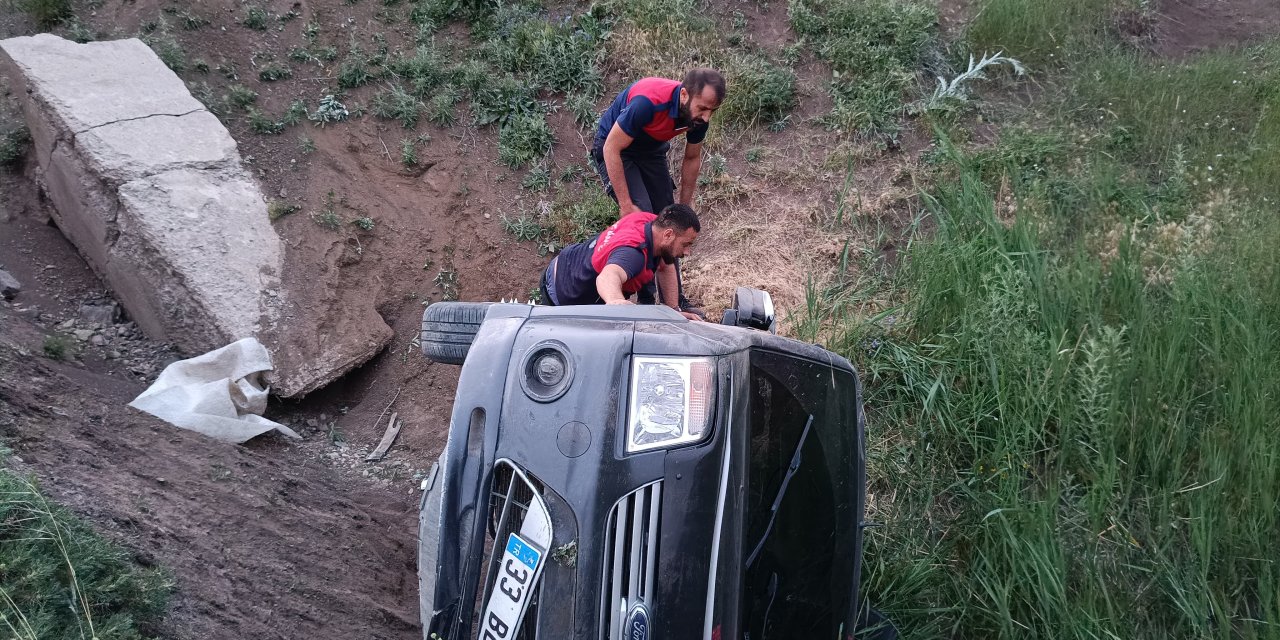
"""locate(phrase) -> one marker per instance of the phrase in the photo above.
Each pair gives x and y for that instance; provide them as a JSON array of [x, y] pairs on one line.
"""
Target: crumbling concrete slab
[[149, 186]]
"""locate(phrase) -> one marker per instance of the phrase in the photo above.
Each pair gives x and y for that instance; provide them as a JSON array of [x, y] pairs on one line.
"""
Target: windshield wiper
[[782, 491]]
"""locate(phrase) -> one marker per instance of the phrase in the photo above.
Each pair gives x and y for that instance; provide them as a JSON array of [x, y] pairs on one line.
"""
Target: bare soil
[[1188, 26], [278, 539]]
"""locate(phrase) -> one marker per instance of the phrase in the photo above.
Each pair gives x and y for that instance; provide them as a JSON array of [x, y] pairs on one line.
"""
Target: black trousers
[[648, 177], [651, 188]]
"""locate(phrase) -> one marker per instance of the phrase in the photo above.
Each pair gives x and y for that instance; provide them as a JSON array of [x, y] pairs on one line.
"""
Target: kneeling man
[[639, 248]]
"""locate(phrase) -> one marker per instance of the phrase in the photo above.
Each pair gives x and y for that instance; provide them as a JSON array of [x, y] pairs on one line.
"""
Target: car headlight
[[670, 402]]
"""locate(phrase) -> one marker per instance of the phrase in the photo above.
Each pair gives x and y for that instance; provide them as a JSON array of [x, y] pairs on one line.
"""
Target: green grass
[[1070, 379], [1219, 109], [59, 579], [58, 347], [425, 71], [442, 109], [328, 216], [874, 48], [1072, 444], [264, 124], [524, 139], [274, 71], [241, 96], [256, 18], [46, 13], [394, 103], [561, 57], [13, 145], [166, 47], [762, 92], [1040, 32]]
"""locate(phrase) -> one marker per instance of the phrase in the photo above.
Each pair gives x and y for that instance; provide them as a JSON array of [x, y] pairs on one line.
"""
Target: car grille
[[509, 501], [631, 550]]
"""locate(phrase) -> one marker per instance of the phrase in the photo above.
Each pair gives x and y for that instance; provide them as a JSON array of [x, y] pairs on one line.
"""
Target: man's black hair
[[697, 80], [679, 217]]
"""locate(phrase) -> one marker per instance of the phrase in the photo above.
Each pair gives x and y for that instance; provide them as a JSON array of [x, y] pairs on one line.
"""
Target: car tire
[[449, 328]]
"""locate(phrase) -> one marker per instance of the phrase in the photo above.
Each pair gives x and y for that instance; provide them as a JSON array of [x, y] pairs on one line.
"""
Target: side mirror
[[753, 309]]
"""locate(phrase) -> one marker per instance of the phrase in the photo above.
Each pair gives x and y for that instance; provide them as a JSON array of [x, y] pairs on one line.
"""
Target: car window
[[800, 524]]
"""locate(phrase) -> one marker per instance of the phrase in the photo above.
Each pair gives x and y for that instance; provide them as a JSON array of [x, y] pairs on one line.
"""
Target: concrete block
[[149, 187]]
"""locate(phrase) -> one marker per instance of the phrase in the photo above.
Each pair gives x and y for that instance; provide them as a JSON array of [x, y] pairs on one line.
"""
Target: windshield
[[800, 567]]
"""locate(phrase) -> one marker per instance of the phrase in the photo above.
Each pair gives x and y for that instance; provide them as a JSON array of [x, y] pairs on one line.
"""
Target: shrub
[[13, 145], [442, 110], [260, 122], [295, 113], [166, 47], [409, 153], [329, 110], [395, 103], [524, 139], [760, 92], [424, 71], [504, 100], [277, 209], [47, 13], [241, 96], [358, 69], [273, 71], [255, 17]]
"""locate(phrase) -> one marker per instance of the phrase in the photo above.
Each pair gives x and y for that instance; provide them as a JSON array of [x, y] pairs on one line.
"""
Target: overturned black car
[[621, 472]]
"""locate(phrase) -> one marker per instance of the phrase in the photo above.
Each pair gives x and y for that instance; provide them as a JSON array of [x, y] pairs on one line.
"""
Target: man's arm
[[669, 289], [668, 285], [613, 146], [609, 284], [689, 171]]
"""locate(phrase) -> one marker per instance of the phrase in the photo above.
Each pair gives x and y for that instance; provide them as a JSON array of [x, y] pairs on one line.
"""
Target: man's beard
[[684, 115]]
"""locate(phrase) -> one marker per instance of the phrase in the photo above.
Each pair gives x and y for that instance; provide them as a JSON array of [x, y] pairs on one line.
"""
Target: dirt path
[[1189, 26], [269, 540]]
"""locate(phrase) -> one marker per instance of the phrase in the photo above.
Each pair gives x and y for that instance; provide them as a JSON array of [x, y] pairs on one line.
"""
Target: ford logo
[[637, 623]]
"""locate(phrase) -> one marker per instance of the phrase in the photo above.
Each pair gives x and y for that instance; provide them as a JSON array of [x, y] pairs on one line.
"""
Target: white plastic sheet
[[219, 394]]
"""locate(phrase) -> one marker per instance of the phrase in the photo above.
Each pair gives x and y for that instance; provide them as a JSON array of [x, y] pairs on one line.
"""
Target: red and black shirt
[[649, 111], [628, 244]]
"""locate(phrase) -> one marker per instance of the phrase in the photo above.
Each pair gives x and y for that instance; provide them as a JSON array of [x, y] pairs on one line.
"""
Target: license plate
[[517, 575]]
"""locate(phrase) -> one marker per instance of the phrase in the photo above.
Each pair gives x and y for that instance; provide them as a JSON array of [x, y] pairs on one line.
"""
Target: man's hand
[[622, 301], [689, 170], [692, 316]]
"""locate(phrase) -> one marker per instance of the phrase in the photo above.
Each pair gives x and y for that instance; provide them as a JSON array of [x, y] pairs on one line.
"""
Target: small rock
[[67, 324], [82, 334], [98, 341], [104, 313], [9, 286], [114, 355]]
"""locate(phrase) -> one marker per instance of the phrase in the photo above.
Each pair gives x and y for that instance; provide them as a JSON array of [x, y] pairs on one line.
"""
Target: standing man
[[633, 138], [619, 262]]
